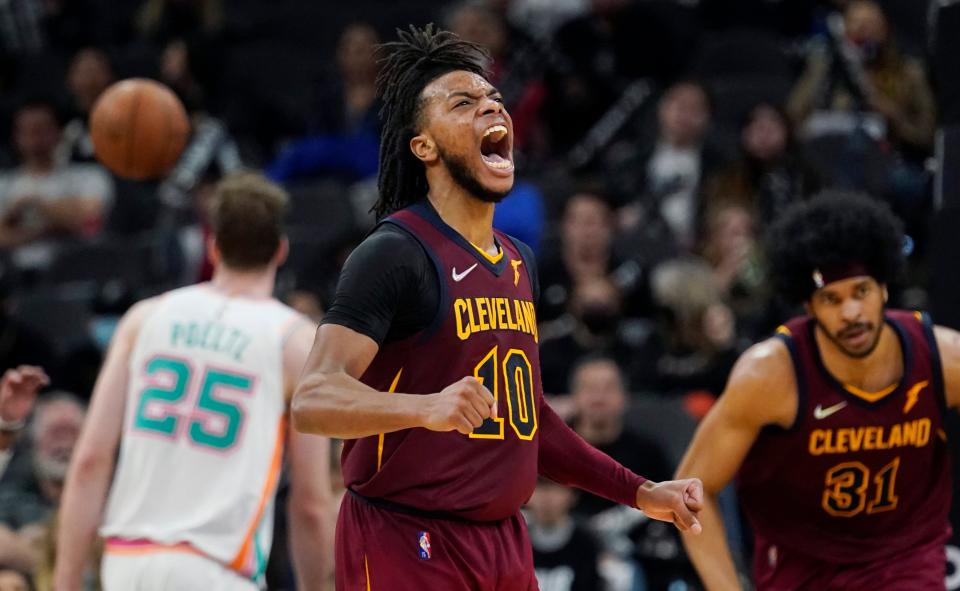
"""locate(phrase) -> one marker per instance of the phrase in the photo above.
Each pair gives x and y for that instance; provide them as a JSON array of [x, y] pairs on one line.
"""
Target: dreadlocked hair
[[407, 66], [834, 228]]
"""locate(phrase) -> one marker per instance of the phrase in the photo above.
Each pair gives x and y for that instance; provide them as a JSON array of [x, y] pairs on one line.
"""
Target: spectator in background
[[583, 252], [90, 73], [592, 325], [665, 178], [565, 555], [18, 390], [599, 392], [770, 173], [730, 246], [516, 70], [19, 344], [34, 25], [540, 18], [12, 579], [28, 499], [346, 138], [42, 198], [695, 344], [348, 101], [163, 20], [862, 70], [601, 52], [211, 147], [21, 26]]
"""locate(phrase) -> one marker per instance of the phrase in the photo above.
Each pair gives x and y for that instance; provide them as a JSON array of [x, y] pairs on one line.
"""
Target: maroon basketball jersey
[[486, 327], [860, 476]]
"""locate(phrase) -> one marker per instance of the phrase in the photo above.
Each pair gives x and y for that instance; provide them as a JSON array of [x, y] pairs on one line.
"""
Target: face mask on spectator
[[599, 319], [869, 50]]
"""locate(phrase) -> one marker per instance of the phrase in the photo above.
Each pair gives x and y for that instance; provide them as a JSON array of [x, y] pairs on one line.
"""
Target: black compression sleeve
[[388, 288]]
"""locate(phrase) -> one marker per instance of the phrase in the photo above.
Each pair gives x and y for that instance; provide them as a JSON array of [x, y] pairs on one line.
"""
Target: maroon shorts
[[379, 549], [780, 569]]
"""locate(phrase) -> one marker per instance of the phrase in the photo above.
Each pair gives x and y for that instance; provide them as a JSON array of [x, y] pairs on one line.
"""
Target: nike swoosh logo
[[459, 276], [822, 413]]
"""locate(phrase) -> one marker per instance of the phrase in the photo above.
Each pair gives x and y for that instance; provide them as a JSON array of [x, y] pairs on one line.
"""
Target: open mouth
[[856, 336], [495, 148]]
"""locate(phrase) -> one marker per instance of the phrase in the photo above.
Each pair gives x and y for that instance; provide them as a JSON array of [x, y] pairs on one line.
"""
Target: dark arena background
[[656, 142]]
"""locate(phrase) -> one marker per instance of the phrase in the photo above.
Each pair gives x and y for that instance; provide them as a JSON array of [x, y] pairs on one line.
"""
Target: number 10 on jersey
[[517, 376]]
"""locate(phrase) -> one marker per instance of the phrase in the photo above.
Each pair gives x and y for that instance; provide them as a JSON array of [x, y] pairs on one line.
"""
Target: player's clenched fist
[[676, 501], [462, 406]]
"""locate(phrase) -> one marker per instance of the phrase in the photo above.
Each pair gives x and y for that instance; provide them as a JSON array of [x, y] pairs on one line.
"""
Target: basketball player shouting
[[194, 391], [427, 362], [834, 427]]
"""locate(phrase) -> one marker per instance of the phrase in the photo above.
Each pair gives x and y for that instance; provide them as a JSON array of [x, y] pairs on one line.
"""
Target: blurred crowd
[[656, 140]]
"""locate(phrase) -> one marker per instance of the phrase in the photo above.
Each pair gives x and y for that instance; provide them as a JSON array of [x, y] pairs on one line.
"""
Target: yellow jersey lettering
[[501, 307], [916, 433], [459, 306], [474, 315], [482, 313], [856, 439], [530, 315], [518, 312], [910, 433], [842, 436], [896, 437], [923, 432], [816, 442], [828, 442], [511, 319], [471, 320]]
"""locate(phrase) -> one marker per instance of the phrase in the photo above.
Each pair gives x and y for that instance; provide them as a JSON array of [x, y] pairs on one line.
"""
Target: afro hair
[[832, 230]]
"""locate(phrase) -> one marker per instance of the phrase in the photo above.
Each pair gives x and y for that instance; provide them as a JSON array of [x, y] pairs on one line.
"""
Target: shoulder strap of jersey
[[789, 333], [936, 364], [529, 261]]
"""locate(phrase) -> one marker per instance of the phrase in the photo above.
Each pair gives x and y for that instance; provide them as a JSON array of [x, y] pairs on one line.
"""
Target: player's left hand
[[18, 390], [676, 501]]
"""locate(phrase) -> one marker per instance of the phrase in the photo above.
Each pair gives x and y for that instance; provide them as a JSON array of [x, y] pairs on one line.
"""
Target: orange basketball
[[139, 128]]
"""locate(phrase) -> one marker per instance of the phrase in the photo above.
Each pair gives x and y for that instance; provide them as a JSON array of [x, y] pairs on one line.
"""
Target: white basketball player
[[194, 390]]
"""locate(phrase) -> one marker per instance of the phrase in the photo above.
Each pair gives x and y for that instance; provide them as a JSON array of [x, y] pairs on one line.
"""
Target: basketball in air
[[139, 128]]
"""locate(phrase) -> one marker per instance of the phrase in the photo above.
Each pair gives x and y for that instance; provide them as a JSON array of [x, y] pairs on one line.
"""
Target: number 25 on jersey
[[213, 422]]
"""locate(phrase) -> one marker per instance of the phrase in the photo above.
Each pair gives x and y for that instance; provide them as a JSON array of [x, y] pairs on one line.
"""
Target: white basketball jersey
[[204, 428]]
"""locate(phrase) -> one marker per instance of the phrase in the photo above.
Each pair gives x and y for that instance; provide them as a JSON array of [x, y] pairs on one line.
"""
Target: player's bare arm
[[330, 400], [308, 507], [91, 467], [948, 341], [761, 391]]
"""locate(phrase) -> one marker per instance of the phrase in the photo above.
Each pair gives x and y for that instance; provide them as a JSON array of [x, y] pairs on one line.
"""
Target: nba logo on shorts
[[424, 543]]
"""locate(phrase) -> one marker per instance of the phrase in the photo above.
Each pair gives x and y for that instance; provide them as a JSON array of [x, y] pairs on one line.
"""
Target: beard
[[838, 338], [51, 468], [461, 174]]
